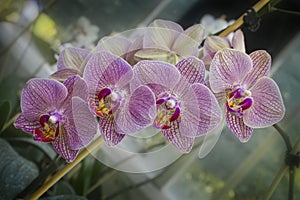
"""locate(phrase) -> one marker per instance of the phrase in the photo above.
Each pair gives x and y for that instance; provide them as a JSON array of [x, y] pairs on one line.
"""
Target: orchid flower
[[185, 108], [251, 99], [71, 62], [167, 41], [213, 44], [120, 110], [48, 113]]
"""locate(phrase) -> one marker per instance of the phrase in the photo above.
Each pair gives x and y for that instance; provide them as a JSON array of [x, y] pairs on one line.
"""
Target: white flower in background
[[85, 33], [213, 25]]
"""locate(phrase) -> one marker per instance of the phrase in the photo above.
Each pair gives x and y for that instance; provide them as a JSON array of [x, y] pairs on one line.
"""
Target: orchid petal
[[213, 44], [74, 58], [268, 107], [159, 38], [61, 146], [187, 43], [40, 96], [65, 73], [154, 74], [180, 141], [107, 127], [261, 67], [85, 125], [238, 41], [238, 127], [192, 69], [26, 126], [228, 68], [196, 32], [138, 113], [105, 69], [209, 109], [166, 24], [117, 45]]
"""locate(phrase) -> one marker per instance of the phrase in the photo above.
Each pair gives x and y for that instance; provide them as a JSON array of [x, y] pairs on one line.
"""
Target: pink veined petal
[[228, 68], [65, 73], [166, 24], [138, 113], [238, 127], [135, 46], [62, 148], [108, 131], [40, 96], [74, 58], [190, 113], [117, 45], [268, 107], [26, 126], [105, 69], [84, 126], [159, 38], [261, 67], [152, 73], [238, 41], [192, 69], [210, 111], [180, 141]]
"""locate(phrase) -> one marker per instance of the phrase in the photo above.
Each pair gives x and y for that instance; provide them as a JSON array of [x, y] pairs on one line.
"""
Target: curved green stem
[[284, 136]]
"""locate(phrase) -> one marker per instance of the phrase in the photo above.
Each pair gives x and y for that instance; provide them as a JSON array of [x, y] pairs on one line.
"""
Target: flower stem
[[284, 136], [95, 145], [239, 22], [281, 173]]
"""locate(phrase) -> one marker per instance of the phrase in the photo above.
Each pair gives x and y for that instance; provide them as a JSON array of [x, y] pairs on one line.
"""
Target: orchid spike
[[47, 113], [121, 110], [185, 108]]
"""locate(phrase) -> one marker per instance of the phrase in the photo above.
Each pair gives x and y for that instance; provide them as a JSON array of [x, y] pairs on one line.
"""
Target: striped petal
[[26, 126], [105, 69], [238, 127], [192, 69], [63, 74], [155, 74], [62, 148], [40, 96], [85, 125], [268, 107], [228, 68], [261, 67], [238, 41], [138, 113], [180, 141], [108, 131]]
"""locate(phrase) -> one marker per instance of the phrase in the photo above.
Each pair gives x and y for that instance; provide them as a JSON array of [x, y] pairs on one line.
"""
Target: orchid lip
[[49, 129]]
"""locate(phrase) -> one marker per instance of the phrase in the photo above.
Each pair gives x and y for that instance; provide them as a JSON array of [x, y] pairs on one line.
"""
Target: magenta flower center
[[238, 100], [168, 110], [109, 102], [49, 129]]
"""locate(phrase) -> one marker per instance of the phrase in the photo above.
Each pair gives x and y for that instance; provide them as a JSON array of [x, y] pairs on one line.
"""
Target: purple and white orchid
[[47, 113], [185, 108], [251, 99], [121, 110]]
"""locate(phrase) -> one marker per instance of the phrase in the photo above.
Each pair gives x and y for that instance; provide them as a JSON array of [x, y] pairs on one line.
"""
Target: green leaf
[[15, 171], [4, 112]]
